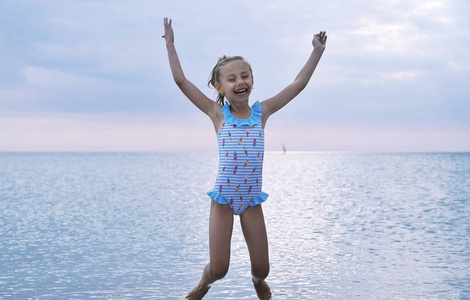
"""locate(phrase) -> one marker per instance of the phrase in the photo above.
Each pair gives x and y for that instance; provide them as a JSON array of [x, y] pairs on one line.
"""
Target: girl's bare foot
[[198, 292], [262, 289]]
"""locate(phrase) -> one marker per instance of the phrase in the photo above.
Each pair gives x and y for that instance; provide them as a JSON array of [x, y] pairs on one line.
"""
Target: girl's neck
[[240, 110]]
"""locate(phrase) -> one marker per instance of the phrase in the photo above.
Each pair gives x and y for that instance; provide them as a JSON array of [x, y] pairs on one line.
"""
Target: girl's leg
[[220, 235], [254, 230]]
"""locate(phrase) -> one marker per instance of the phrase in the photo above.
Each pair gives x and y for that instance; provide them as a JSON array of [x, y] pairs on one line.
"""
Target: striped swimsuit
[[241, 154]]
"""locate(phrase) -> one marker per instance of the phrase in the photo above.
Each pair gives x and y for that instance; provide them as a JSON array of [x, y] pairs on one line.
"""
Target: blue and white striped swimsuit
[[241, 154]]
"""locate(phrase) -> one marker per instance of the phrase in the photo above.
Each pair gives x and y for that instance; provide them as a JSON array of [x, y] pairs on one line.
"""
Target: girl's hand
[[319, 40], [168, 36]]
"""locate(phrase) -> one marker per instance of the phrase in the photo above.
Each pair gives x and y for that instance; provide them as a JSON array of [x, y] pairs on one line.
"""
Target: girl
[[240, 133]]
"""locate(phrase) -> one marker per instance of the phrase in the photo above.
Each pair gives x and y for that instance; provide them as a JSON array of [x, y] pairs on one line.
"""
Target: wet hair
[[215, 74]]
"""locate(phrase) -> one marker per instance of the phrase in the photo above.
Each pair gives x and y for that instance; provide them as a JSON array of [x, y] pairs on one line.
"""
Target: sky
[[87, 75]]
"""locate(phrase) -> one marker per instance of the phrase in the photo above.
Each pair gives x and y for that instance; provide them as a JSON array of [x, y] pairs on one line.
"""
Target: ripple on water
[[340, 225]]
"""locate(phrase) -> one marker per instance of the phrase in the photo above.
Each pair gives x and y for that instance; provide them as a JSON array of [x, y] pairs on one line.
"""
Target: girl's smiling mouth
[[241, 92]]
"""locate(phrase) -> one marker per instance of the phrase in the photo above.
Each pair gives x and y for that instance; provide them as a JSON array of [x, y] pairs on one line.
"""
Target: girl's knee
[[218, 271], [260, 272]]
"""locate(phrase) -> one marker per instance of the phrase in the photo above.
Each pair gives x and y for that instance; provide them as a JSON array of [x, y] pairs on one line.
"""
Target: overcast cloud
[[94, 75]]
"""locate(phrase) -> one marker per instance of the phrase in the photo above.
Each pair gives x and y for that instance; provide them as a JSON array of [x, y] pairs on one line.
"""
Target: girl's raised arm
[[209, 107], [275, 103]]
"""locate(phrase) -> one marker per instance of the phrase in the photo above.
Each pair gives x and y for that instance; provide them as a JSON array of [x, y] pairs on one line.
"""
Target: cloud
[[49, 90], [388, 64], [371, 140], [92, 133], [401, 75]]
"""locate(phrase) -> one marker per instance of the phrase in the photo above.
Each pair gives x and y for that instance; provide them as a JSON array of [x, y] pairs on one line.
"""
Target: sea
[[135, 226]]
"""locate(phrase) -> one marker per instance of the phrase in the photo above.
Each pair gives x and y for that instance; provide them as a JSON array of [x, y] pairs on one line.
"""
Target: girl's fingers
[[167, 21], [321, 37]]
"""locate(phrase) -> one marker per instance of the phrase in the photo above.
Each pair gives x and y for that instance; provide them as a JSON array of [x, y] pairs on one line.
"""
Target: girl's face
[[236, 81]]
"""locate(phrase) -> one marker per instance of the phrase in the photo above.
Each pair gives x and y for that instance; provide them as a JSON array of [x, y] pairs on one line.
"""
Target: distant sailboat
[[284, 148]]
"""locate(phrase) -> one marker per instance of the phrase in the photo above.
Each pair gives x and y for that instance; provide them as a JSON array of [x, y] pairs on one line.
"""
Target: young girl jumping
[[240, 134]]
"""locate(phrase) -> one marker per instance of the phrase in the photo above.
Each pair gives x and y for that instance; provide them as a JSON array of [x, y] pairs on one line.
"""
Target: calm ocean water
[[135, 226]]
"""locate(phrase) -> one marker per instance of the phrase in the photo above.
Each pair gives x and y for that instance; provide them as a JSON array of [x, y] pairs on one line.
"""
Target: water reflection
[[127, 226], [366, 225]]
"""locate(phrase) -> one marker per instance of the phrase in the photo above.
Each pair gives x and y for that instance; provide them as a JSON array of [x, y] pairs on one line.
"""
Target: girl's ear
[[218, 87]]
